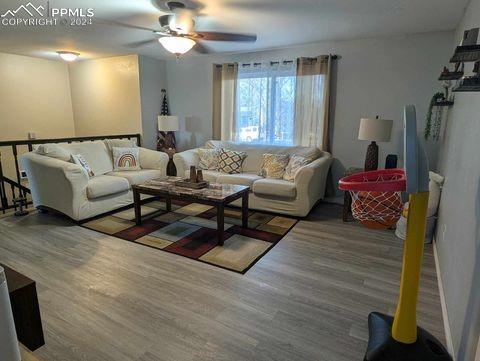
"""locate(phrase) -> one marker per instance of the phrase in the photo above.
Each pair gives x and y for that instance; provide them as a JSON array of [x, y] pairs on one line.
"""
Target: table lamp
[[167, 124], [376, 130]]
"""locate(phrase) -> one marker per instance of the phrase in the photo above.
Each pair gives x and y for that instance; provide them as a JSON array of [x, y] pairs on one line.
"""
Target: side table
[[25, 309], [347, 198]]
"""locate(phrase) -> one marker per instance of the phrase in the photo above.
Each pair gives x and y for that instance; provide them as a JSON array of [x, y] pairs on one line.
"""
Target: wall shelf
[[468, 84], [466, 53], [451, 75], [444, 103]]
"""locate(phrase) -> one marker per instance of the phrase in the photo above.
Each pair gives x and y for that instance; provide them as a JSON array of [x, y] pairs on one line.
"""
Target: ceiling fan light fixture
[[177, 45], [68, 55], [182, 21]]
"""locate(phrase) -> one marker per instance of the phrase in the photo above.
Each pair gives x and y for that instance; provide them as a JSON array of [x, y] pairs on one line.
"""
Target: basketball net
[[377, 206]]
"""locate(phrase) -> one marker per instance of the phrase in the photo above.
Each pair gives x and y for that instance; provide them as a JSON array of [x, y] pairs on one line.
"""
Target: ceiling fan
[[178, 35]]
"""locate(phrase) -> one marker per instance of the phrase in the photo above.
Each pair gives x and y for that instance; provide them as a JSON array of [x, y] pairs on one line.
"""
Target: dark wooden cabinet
[[25, 309]]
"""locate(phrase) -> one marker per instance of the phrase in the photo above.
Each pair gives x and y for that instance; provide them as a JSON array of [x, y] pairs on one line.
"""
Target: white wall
[[106, 96], [458, 230], [34, 96], [116, 95], [374, 76], [152, 81]]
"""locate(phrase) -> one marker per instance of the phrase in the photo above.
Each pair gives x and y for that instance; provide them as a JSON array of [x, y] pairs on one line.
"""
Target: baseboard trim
[[477, 357], [446, 321]]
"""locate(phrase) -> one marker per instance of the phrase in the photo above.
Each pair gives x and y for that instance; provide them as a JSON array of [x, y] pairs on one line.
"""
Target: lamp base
[[383, 347], [371, 159], [166, 140]]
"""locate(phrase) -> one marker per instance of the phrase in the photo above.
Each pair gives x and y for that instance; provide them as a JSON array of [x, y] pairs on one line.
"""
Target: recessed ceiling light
[[68, 55]]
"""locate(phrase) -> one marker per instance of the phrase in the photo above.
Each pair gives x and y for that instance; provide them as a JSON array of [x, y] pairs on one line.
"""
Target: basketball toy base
[[379, 225], [382, 346]]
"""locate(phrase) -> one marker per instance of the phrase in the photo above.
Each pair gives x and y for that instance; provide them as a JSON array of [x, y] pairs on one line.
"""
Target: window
[[265, 104]]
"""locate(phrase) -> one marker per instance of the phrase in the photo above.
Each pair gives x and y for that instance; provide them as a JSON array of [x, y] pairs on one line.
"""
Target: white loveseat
[[274, 195], [65, 187]]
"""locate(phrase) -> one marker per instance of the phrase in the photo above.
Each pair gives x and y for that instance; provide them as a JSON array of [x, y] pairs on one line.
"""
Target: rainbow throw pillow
[[125, 158]]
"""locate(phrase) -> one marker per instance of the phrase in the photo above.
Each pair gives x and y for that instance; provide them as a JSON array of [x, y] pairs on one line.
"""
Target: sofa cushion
[[105, 185], [244, 179], [135, 177], [208, 175], [275, 187], [95, 153], [152, 159], [122, 143], [253, 162], [53, 151]]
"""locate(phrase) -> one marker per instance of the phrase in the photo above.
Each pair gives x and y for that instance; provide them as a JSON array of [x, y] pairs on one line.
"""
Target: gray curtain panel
[[312, 99], [224, 101]]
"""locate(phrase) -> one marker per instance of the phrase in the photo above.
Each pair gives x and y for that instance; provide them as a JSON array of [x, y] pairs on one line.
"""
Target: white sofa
[[65, 187], [274, 195]]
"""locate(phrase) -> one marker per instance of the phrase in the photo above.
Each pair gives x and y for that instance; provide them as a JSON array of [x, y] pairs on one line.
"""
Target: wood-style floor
[[308, 299]]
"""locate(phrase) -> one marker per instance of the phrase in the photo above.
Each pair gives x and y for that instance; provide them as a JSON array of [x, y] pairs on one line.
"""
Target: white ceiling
[[276, 22]]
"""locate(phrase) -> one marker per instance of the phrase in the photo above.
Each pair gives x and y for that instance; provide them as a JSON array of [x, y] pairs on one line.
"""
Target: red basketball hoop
[[376, 196]]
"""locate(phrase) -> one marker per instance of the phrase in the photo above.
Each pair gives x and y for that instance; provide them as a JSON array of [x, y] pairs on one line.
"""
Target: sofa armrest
[[151, 159], [311, 179], [184, 160], [55, 183]]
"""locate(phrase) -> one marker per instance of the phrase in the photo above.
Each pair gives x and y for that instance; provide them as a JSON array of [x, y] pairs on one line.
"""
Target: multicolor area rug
[[189, 230]]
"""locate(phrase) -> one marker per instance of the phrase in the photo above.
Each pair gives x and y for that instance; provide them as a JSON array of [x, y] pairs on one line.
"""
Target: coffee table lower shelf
[[219, 205]]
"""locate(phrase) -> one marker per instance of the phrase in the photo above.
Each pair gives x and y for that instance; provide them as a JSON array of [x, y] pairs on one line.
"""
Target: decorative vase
[[193, 174]]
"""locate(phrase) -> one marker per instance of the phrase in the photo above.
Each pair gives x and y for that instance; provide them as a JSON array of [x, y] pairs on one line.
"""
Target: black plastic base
[[382, 347]]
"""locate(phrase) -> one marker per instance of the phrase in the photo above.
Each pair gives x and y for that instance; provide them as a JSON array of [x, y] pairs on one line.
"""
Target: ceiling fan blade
[[200, 48], [138, 44], [119, 23], [217, 36], [163, 33]]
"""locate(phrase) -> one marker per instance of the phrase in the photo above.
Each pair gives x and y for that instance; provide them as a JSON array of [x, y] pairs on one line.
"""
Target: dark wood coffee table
[[25, 308], [217, 195]]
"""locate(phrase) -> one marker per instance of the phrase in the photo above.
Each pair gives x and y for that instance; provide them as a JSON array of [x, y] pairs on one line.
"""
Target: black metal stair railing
[[18, 192], [13, 191]]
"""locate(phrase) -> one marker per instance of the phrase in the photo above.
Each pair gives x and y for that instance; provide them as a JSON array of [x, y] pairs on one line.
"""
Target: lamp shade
[[375, 129], [168, 123]]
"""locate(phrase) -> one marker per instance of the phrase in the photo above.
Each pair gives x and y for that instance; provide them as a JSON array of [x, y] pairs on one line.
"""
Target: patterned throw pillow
[[208, 158], [230, 161], [296, 162], [274, 165], [79, 160], [125, 158]]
